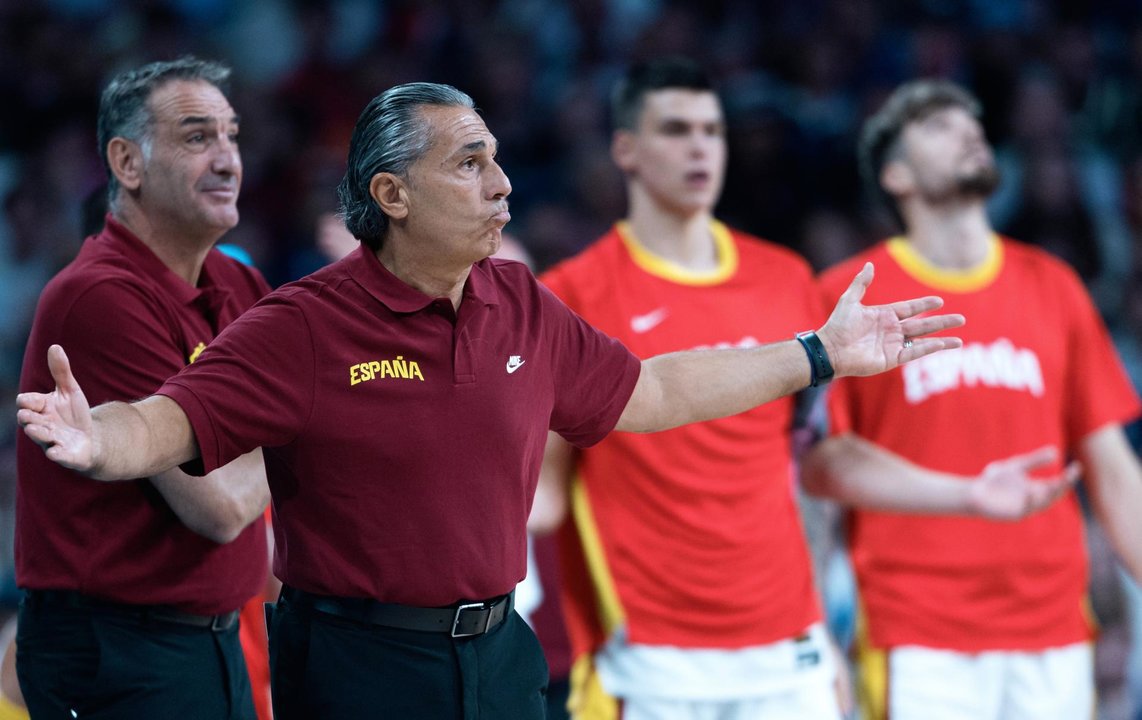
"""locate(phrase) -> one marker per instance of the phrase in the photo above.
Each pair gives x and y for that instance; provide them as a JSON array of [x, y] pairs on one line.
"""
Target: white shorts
[[791, 679], [811, 701], [930, 684]]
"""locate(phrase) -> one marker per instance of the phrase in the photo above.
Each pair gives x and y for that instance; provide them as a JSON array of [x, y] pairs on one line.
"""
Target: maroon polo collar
[[126, 243], [398, 296]]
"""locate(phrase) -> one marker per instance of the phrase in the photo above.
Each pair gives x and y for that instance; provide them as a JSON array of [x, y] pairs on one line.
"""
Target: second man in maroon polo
[[132, 589]]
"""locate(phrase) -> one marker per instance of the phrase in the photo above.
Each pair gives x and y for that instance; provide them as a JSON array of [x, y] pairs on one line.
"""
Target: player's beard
[[980, 183]]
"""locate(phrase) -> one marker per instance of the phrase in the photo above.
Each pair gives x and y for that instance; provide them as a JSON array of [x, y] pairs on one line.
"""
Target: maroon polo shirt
[[403, 440], [128, 323]]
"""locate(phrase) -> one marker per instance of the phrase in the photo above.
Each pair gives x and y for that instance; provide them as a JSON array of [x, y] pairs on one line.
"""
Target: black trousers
[[98, 665], [328, 667]]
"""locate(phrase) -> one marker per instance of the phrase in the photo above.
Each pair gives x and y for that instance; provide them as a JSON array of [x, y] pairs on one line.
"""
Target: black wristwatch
[[820, 369]]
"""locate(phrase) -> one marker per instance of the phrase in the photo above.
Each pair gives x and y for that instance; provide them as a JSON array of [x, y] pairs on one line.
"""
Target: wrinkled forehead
[[454, 128], [178, 100]]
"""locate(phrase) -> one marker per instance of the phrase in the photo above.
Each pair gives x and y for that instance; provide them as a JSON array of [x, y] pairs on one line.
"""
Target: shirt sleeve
[[594, 375], [1099, 390], [252, 387]]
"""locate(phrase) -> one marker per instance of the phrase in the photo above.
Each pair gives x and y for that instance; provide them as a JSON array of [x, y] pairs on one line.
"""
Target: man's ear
[[897, 178], [391, 194], [622, 150], [125, 158]]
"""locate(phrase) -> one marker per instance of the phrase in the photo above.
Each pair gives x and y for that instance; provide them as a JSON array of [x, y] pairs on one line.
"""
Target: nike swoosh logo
[[512, 368], [645, 323]]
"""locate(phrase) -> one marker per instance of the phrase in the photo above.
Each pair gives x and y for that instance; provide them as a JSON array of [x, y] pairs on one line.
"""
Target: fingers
[[919, 346], [31, 409], [1043, 494], [28, 416], [916, 327], [926, 346], [905, 309], [1038, 458], [39, 433], [60, 368], [1047, 456], [34, 402], [1066, 480], [859, 285], [1072, 472]]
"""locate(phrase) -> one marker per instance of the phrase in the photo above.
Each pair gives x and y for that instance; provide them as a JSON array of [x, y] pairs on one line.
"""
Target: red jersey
[[403, 438], [128, 323], [1037, 368], [691, 537]]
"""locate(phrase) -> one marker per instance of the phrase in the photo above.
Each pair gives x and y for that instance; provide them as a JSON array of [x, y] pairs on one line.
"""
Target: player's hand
[[59, 421], [869, 339], [1005, 490]]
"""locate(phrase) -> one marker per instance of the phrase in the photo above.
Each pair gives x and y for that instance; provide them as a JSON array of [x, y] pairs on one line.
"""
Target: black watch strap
[[820, 369]]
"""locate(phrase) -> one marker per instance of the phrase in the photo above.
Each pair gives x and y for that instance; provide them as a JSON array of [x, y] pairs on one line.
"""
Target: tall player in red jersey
[[688, 583], [971, 618]]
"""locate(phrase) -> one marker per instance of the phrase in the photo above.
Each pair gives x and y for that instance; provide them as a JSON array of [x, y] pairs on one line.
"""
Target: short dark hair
[[390, 136], [123, 110], [645, 77], [880, 135]]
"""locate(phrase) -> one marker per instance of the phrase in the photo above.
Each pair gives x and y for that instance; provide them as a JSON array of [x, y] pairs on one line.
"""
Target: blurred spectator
[[827, 237], [334, 241], [1051, 213]]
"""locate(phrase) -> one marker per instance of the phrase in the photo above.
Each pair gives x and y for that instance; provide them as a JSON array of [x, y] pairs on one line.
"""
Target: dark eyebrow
[[203, 120], [675, 121], [478, 146]]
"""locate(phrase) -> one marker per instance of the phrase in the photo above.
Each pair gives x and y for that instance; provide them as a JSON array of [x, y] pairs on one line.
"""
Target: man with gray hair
[[402, 397], [132, 590]]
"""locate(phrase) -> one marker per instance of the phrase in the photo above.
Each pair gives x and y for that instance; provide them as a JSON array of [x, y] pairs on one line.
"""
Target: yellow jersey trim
[[587, 700], [963, 281], [669, 270], [871, 684], [11, 711], [610, 607]]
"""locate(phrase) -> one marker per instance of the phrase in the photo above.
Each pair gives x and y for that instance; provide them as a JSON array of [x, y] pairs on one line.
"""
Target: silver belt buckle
[[470, 606]]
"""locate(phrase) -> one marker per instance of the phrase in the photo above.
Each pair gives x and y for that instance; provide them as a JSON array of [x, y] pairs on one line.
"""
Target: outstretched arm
[[116, 441], [857, 472], [684, 387]]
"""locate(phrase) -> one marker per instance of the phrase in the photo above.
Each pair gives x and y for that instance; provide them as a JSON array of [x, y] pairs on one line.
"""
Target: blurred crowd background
[[1060, 81]]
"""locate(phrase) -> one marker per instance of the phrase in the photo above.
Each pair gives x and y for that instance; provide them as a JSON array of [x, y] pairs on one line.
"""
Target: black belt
[[460, 620], [143, 613]]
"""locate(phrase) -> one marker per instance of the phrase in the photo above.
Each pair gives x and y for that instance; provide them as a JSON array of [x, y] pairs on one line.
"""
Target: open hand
[[869, 339], [59, 421], [1005, 489]]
